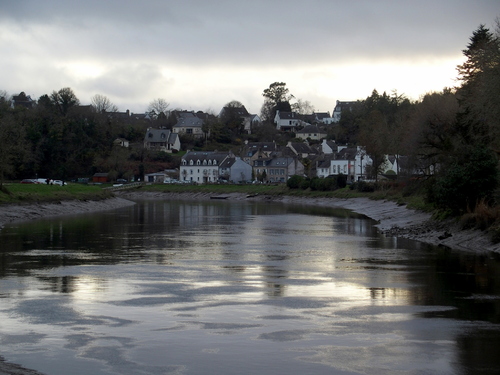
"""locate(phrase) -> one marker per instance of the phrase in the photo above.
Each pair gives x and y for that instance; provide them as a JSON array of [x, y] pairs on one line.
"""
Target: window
[[191, 162], [189, 131], [163, 136]]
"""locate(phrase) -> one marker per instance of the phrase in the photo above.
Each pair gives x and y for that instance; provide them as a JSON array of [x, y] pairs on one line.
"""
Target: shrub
[[294, 182]]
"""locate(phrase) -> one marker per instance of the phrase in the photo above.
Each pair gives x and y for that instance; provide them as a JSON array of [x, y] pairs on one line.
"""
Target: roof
[[189, 120], [348, 153], [205, 155], [322, 115], [160, 135], [287, 115], [303, 148]]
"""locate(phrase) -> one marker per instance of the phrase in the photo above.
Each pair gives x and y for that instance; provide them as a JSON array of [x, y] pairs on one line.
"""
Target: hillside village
[[444, 145], [306, 151], [309, 153]]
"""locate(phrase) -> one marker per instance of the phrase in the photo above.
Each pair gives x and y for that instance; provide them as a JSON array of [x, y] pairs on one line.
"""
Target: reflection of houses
[[312, 132], [162, 140], [277, 169]]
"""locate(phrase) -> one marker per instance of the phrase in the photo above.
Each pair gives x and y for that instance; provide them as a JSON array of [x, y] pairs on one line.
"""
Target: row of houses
[[268, 162]]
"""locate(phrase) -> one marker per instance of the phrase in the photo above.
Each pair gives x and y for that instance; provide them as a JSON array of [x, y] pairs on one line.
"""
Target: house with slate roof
[[287, 121], [301, 149], [235, 170], [255, 150], [341, 107], [162, 140], [312, 132], [277, 169], [349, 161], [189, 123], [201, 166]]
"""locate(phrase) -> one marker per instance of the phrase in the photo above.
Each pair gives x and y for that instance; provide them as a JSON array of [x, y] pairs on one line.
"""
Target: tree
[[64, 99], [158, 107], [276, 96], [303, 107], [101, 103], [479, 93]]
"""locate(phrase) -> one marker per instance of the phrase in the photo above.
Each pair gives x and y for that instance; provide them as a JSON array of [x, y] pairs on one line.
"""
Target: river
[[216, 287]]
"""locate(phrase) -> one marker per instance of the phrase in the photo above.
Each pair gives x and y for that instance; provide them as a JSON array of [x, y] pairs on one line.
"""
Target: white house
[[286, 121], [201, 166], [349, 161]]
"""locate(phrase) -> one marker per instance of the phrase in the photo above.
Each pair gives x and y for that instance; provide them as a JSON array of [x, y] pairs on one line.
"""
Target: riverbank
[[24, 212]]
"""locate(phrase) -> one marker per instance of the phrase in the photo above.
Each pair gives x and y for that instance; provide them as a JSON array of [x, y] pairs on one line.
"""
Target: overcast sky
[[201, 54]]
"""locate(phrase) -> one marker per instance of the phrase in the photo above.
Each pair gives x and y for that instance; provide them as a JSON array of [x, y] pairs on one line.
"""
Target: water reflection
[[220, 284]]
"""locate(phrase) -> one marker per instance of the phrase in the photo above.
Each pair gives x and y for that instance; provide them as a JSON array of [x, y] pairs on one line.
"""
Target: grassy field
[[27, 193], [33, 193]]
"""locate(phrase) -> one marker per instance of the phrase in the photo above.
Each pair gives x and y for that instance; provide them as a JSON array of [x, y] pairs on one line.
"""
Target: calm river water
[[169, 287]]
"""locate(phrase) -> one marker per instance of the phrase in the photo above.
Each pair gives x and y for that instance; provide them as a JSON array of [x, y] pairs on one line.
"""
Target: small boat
[[219, 197]]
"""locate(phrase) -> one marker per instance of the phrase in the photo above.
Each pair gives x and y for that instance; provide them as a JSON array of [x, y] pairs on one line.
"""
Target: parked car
[[58, 182], [121, 181], [28, 181]]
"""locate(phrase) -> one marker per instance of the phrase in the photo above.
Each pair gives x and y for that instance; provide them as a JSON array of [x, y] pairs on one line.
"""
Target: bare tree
[[303, 107], [101, 103], [157, 107]]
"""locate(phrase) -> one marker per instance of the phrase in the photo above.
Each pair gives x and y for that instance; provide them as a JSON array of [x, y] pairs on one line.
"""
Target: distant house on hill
[[189, 123], [341, 107], [22, 100], [287, 121], [162, 140], [312, 132]]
